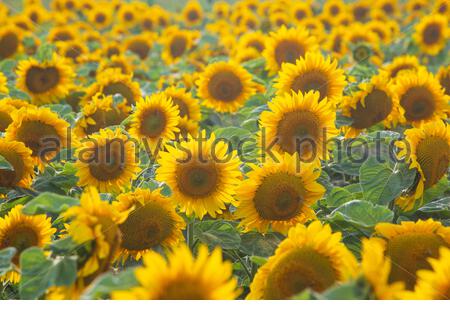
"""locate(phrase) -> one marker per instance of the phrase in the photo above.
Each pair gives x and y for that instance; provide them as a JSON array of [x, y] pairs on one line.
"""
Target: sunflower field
[[221, 150]]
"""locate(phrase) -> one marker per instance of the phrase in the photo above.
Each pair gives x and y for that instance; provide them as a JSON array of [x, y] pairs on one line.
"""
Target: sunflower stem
[[190, 233]]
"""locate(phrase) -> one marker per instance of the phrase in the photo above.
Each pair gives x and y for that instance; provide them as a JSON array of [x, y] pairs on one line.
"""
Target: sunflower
[[41, 130], [431, 33], [187, 128], [121, 62], [140, 44], [361, 10], [176, 43], [45, 82], [95, 222], [62, 33], [444, 78], [428, 150], [100, 113], [10, 41], [3, 84], [5, 114], [245, 54], [360, 33], [442, 7], [402, 64], [201, 173], [221, 9], [22, 232], [101, 16], [421, 97], [128, 15], [187, 105], [334, 8], [19, 157], [107, 161], [225, 86], [388, 7], [382, 30], [391, 259], [312, 73], [310, 257], [300, 11], [192, 13], [375, 102], [73, 50], [434, 284], [279, 194], [112, 48], [298, 123], [335, 41], [152, 222], [255, 40], [287, 45], [183, 277]]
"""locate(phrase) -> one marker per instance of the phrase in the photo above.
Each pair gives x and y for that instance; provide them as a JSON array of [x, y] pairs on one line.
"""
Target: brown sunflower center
[[140, 48], [178, 46], [153, 123], [8, 45], [146, 227], [432, 33], [119, 88], [112, 51], [300, 14], [334, 10], [128, 16], [402, 67], [337, 43], [445, 83], [418, 103], [433, 155], [40, 80], [183, 289], [100, 18], [258, 45], [360, 13], [5, 121], [288, 51], [182, 106], [108, 162], [312, 80], [105, 118], [409, 253], [197, 179], [279, 197], [298, 270], [225, 86], [39, 137], [74, 52], [147, 24], [20, 237], [9, 178], [193, 15], [388, 8], [378, 107], [298, 131], [63, 36]]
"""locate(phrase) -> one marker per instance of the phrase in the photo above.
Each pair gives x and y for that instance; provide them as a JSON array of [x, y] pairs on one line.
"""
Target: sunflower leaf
[[105, 284], [48, 202], [5, 165], [6, 256]]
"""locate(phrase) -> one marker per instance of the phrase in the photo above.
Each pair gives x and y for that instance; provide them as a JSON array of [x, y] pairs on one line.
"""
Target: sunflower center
[[279, 197], [74, 52], [178, 46], [128, 16], [146, 227], [433, 155], [409, 253], [388, 8], [193, 15], [197, 179], [182, 106], [139, 47], [337, 44], [298, 270], [257, 45], [40, 80], [153, 123], [360, 13], [8, 45], [34, 135], [334, 10], [183, 289], [112, 52], [21, 238], [401, 67], [378, 107], [297, 131], [119, 88], [108, 162], [9, 178], [445, 83], [5, 120], [147, 24], [105, 118], [300, 14], [288, 51], [312, 80], [432, 33], [63, 36], [225, 86], [100, 18], [418, 103]]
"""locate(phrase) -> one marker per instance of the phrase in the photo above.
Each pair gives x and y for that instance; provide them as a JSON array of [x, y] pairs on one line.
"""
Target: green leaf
[[441, 206], [229, 133], [256, 244], [5, 165], [352, 290], [383, 182], [339, 196], [40, 273], [105, 284], [48, 202], [45, 52], [6, 256], [360, 214], [217, 233]]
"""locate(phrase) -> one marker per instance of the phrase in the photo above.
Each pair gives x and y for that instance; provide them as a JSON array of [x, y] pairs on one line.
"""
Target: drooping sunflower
[[22, 232], [299, 123], [421, 97], [375, 102], [45, 82], [176, 43], [310, 257], [444, 78], [391, 259], [10, 41], [183, 277], [19, 157], [428, 150], [3, 84], [152, 222], [188, 106], [279, 194], [106, 160], [434, 284], [100, 113], [402, 64], [225, 86], [140, 44], [312, 73], [287, 45], [432, 33], [201, 173], [96, 223], [192, 13], [41, 130], [155, 120]]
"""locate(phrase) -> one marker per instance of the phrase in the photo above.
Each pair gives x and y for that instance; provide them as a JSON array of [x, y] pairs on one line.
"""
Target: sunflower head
[[10, 41], [182, 277], [187, 105], [431, 33], [176, 43], [3, 84], [402, 64], [192, 13], [444, 78], [140, 44], [19, 157]]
